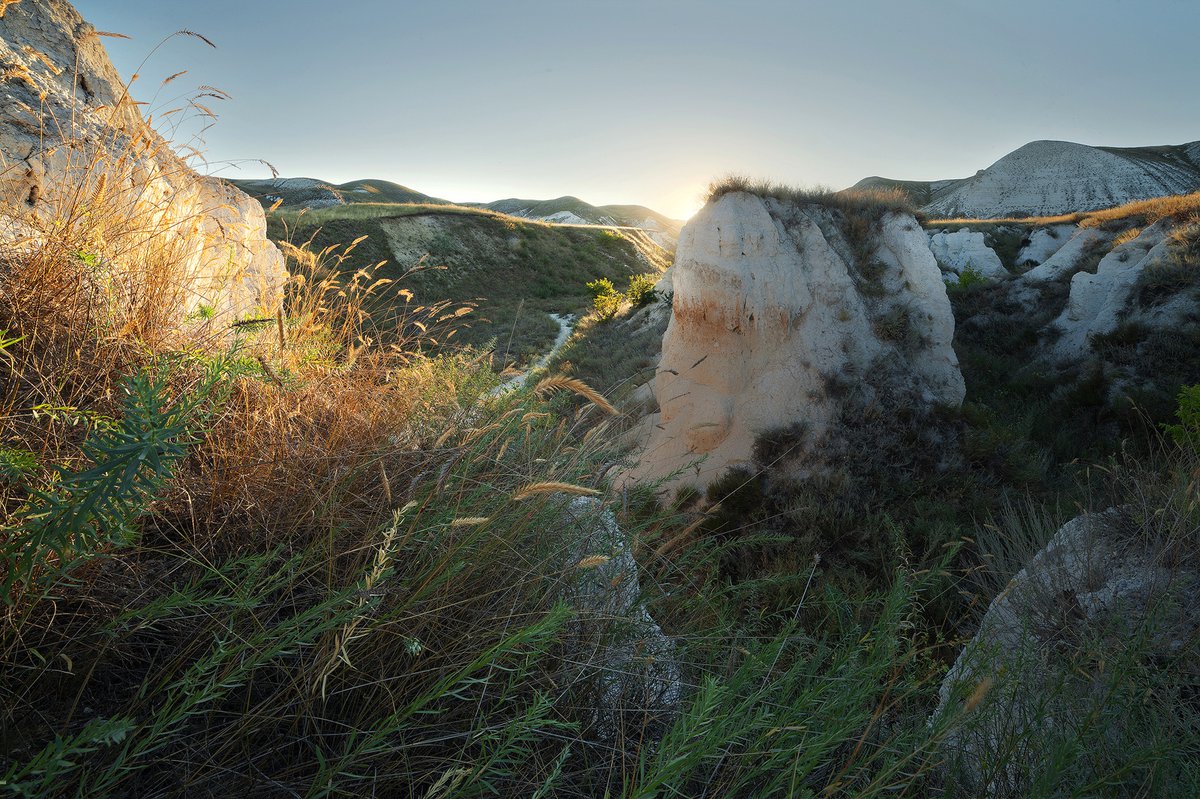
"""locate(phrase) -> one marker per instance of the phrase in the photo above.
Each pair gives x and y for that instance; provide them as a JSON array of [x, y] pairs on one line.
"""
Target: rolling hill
[[574, 211], [314, 193]]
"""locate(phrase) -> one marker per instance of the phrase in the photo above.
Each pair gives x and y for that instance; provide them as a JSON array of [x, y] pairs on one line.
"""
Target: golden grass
[[1181, 207], [99, 280], [561, 383], [552, 487], [872, 202]]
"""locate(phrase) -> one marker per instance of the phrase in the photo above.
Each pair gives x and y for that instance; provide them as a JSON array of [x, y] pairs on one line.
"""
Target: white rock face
[[1098, 301], [563, 218], [770, 307], [1043, 243], [633, 660], [958, 250], [1093, 581], [1045, 178], [1082, 244], [67, 122]]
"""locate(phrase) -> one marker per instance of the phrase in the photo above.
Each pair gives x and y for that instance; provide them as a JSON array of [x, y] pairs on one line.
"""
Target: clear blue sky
[[644, 101]]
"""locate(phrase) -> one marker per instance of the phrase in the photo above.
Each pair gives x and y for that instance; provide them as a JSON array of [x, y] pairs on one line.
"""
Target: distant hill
[[313, 193], [1046, 178], [574, 211]]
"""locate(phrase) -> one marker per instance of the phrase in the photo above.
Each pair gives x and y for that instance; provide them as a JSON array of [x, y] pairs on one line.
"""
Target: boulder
[[776, 307], [960, 250], [1045, 668], [1043, 243], [72, 139], [617, 643]]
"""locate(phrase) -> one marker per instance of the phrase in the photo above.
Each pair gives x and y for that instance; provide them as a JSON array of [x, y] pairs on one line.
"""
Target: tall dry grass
[[861, 202]]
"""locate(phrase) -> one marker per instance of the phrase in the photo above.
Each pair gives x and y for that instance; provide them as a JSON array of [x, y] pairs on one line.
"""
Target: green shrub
[[641, 289], [969, 277], [606, 300], [1187, 432], [85, 511]]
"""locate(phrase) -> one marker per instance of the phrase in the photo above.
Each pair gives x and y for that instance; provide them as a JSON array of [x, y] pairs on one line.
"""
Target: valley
[[345, 489]]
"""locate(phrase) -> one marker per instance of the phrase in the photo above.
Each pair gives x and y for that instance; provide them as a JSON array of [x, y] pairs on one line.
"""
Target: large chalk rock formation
[[778, 316], [1045, 178], [71, 135], [1099, 302]]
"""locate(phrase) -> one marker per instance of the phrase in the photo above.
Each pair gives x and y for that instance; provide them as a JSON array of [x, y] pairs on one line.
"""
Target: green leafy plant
[[16, 462], [641, 289], [85, 511], [970, 276], [1187, 432]]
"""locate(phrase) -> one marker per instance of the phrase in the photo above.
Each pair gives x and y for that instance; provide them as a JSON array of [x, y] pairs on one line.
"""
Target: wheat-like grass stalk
[[683, 535], [384, 555], [563, 383], [552, 487], [470, 521]]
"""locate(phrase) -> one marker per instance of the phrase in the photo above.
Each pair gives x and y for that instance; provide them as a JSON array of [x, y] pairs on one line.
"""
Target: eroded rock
[[1099, 302], [617, 642], [961, 250], [71, 137], [776, 306], [1043, 243]]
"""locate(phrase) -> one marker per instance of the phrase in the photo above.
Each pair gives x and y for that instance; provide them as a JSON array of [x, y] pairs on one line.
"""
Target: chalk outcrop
[[1099, 302], [1103, 590], [958, 251], [616, 641], [71, 136], [1050, 178], [775, 311], [1046, 178], [1070, 256]]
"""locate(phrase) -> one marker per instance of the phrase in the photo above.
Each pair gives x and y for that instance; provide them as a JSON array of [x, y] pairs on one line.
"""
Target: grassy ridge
[[1135, 214], [514, 271]]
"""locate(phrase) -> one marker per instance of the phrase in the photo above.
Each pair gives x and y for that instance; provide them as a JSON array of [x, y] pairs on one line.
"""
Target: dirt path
[[566, 323]]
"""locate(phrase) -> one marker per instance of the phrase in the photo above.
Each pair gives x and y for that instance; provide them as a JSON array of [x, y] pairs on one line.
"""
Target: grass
[[871, 202], [1139, 213]]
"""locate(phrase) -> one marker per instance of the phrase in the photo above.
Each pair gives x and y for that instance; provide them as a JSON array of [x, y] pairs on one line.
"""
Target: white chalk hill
[[1047, 178]]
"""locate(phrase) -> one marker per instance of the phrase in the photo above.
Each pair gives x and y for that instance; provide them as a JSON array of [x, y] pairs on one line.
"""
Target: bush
[[970, 276], [641, 289], [1187, 432], [606, 300]]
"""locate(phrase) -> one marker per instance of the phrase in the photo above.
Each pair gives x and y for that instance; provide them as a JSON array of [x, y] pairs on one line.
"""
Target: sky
[[646, 101]]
